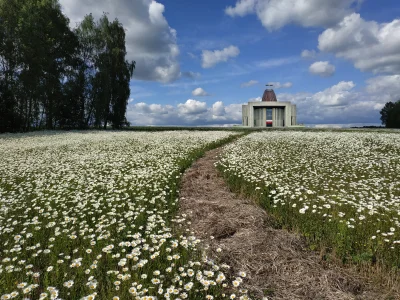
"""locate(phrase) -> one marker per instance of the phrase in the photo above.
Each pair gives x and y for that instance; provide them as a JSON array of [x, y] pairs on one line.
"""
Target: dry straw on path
[[278, 263]]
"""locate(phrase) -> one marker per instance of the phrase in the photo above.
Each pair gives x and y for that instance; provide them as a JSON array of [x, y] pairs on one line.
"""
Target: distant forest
[[52, 77]]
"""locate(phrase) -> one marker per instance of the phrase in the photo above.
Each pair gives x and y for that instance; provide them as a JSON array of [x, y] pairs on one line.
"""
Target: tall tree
[[83, 81], [114, 75], [49, 49], [385, 112], [11, 118], [390, 114], [52, 77], [104, 73], [38, 49]]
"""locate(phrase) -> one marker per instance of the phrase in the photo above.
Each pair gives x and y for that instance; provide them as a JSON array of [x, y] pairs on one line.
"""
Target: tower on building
[[269, 112]]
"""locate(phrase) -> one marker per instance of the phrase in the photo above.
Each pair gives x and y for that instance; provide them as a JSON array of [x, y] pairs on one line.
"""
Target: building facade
[[269, 112]]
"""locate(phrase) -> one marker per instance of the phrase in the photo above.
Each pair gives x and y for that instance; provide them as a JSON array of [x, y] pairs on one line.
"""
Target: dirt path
[[278, 263]]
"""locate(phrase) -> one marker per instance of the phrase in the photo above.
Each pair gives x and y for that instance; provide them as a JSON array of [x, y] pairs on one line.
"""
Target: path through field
[[278, 264]]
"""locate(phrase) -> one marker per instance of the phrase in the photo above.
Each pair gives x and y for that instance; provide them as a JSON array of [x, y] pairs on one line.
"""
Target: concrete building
[[269, 112]]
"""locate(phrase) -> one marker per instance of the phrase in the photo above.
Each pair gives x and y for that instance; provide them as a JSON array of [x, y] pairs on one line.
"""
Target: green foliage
[[324, 185], [37, 49], [55, 78], [390, 115], [112, 79], [98, 210]]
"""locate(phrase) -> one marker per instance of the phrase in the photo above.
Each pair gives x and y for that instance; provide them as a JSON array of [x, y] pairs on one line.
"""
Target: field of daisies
[[93, 215], [339, 189]]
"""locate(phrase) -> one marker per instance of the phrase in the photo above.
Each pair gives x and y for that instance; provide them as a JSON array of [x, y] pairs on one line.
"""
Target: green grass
[[98, 211], [341, 190]]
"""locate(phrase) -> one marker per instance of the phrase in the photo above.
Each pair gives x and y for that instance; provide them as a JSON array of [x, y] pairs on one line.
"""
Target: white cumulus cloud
[[338, 104], [384, 84], [384, 88], [242, 8], [200, 92], [211, 58], [342, 103], [309, 54], [190, 113], [150, 41], [278, 85], [255, 99], [338, 94], [192, 107], [218, 109], [157, 109], [371, 46], [275, 14], [322, 68]]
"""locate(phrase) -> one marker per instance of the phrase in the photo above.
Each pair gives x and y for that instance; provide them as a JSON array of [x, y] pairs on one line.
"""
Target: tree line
[[54, 77], [390, 115]]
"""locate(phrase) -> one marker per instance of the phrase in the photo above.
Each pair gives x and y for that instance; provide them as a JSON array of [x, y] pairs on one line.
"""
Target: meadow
[[93, 215], [341, 190]]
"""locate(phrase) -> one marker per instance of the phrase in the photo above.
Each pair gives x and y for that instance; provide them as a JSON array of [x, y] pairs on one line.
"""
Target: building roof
[[269, 96]]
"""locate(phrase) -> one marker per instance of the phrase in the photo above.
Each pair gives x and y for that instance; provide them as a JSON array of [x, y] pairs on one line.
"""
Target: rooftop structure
[[269, 95], [269, 112]]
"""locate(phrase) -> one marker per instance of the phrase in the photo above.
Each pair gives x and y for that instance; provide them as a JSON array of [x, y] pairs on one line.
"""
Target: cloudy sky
[[199, 61]]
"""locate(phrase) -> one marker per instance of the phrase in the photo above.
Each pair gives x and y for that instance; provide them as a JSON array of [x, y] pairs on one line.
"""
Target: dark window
[[269, 113]]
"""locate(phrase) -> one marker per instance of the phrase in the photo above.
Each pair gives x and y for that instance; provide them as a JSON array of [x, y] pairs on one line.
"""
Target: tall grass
[[340, 189], [93, 215]]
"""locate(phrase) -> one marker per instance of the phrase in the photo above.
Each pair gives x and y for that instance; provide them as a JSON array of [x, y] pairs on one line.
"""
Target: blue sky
[[199, 61]]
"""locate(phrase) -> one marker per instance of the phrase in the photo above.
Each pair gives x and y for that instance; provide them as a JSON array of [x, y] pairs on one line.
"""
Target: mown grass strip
[[339, 189]]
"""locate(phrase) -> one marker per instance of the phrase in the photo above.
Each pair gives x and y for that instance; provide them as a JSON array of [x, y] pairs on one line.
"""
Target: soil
[[278, 264]]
